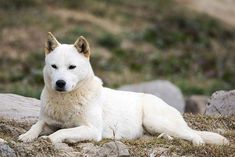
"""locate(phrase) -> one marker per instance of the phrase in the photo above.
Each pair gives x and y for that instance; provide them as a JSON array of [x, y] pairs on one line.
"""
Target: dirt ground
[[10, 130]]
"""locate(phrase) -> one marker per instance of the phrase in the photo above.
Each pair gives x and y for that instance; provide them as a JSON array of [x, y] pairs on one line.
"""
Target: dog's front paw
[[55, 139], [27, 137]]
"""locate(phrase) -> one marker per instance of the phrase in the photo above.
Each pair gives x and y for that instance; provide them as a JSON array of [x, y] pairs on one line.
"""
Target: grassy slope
[[131, 41]]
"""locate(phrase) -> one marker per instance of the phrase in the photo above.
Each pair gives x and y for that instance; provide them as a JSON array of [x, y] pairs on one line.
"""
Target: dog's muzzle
[[60, 85]]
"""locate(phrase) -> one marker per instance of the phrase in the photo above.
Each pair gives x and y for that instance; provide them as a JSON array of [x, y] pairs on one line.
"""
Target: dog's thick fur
[[85, 110]]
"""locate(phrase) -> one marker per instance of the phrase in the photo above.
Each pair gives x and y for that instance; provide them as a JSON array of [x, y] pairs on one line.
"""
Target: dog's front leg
[[33, 132], [73, 135]]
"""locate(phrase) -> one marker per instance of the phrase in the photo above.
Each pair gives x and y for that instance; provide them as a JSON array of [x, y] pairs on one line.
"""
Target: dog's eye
[[54, 66], [72, 67]]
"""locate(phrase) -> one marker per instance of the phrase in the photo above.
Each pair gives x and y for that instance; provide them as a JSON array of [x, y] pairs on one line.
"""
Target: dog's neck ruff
[[86, 91]]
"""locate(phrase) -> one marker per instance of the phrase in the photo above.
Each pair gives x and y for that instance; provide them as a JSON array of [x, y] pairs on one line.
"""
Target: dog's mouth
[[60, 89]]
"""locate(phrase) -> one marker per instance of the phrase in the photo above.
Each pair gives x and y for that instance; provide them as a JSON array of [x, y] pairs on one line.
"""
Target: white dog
[[75, 102]]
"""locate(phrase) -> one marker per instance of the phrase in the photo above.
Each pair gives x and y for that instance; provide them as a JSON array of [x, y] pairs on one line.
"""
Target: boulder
[[19, 108], [221, 103], [196, 104], [163, 89]]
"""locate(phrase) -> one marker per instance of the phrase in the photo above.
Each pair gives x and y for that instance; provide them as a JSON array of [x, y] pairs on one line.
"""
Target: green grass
[[109, 41], [180, 29], [197, 85]]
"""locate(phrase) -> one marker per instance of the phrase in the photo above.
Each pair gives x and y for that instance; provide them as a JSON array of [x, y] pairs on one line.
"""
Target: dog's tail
[[212, 138]]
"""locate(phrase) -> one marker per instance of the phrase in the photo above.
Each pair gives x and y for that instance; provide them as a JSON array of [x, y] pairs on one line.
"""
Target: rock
[[221, 103], [64, 147], [88, 149], [19, 108], [6, 150], [159, 152], [167, 91], [2, 141], [111, 149], [196, 104], [163, 152], [65, 150]]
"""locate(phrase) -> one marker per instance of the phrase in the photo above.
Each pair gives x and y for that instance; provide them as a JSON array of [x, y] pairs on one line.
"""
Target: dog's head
[[66, 65]]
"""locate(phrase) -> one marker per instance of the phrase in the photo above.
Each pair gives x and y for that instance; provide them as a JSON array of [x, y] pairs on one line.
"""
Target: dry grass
[[140, 147]]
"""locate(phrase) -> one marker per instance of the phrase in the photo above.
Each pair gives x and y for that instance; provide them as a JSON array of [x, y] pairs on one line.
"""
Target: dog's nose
[[60, 83]]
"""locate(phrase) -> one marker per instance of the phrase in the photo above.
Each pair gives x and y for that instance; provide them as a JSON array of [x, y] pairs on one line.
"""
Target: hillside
[[223, 10], [131, 41]]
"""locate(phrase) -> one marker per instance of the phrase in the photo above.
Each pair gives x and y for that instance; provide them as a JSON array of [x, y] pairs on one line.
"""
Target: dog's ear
[[51, 43], [82, 46]]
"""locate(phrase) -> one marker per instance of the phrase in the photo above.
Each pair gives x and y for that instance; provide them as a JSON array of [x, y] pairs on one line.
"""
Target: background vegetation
[[131, 41]]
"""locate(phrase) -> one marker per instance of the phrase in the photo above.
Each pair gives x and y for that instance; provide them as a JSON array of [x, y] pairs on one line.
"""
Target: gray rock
[[160, 152], [111, 149], [196, 104], [88, 149], [64, 147], [163, 152], [6, 150], [19, 108], [2, 141], [65, 150], [165, 90], [221, 103]]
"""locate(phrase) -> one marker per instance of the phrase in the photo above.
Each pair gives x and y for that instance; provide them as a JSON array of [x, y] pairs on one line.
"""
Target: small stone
[[88, 149], [159, 151], [63, 147], [6, 150], [2, 141], [110, 149], [113, 149]]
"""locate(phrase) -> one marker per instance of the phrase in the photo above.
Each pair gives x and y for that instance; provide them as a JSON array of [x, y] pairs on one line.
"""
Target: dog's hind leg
[[164, 126], [158, 117]]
